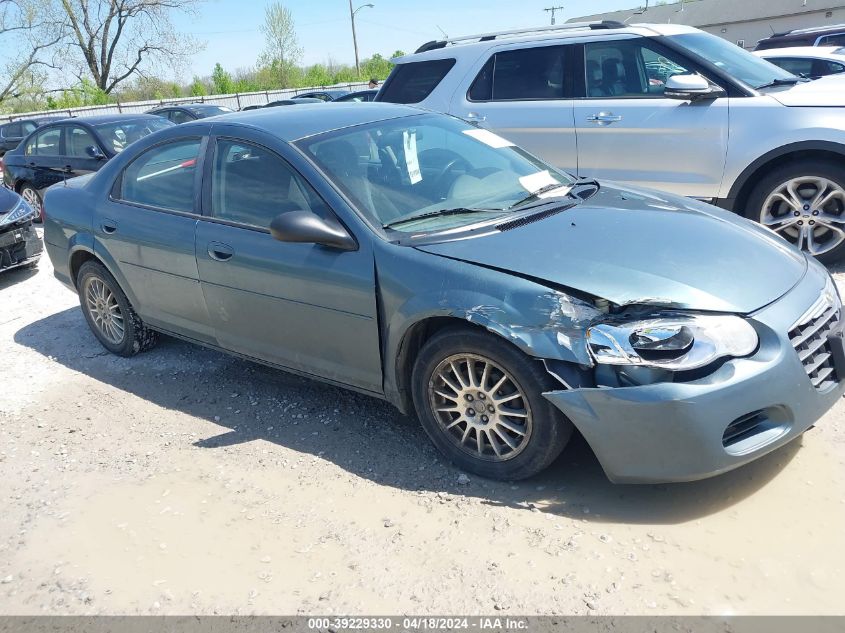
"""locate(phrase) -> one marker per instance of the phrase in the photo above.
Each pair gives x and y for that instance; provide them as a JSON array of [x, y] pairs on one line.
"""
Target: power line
[[552, 11]]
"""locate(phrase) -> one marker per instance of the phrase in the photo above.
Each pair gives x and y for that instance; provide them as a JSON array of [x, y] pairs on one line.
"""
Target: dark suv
[[12, 133], [833, 35]]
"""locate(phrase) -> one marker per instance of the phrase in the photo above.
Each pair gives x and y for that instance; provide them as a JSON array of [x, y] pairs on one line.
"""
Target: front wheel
[[33, 198], [109, 314], [805, 204], [480, 401]]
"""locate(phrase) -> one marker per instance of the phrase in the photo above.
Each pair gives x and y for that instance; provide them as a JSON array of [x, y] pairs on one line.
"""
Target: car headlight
[[20, 213], [675, 342]]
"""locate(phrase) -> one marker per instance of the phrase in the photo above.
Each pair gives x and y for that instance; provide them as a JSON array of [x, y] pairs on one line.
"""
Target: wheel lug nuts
[[800, 222], [811, 222], [481, 396], [468, 397], [815, 212], [470, 412], [490, 408], [484, 418], [797, 213]]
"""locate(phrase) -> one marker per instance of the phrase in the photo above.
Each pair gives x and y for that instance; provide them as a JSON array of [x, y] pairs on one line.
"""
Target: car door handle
[[68, 168], [474, 116], [603, 118], [108, 226], [32, 164], [220, 252]]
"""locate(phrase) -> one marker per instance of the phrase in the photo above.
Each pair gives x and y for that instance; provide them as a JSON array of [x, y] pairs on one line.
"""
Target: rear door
[[525, 95], [42, 158], [629, 132], [146, 229], [303, 306]]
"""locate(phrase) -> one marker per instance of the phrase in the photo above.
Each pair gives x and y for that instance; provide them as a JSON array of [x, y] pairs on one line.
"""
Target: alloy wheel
[[31, 197], [809, 212], [480, 407], [104, 310]]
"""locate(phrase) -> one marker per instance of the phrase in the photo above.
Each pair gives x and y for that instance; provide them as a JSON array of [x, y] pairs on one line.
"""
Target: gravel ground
[[184, 481]]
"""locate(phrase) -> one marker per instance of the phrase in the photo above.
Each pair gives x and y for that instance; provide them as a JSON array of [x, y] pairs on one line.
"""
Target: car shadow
[[369, 437], [15, 276]]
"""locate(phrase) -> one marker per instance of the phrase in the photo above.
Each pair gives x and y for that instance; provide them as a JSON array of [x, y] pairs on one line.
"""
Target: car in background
[[663, 106], [361, 95], [416, 258], [832, 35], [19, 243], [69, 148], [812, 62], [292, 102], [12, 133], [323, 95], [189, 111]]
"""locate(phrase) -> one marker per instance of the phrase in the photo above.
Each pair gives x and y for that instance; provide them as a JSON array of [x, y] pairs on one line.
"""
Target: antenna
[[552, 11], [445, 35]]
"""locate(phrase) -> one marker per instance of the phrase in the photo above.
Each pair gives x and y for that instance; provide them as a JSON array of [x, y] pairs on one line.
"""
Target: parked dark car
[[189, 111], [417, 258], [831, 35], [12, 133], [69, 148], [323, 95], [19, 243], [361, 95], [290, 102]]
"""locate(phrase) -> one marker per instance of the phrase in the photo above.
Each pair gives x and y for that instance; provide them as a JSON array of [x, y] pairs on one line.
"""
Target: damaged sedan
[[416, 258], [19, 243]]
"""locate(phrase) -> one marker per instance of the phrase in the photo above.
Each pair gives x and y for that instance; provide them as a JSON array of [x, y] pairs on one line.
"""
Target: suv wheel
[[109, 313], [480, 401], [804, 203], [30, 194]]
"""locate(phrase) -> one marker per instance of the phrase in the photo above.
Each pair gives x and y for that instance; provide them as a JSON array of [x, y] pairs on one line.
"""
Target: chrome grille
[[809, 338]]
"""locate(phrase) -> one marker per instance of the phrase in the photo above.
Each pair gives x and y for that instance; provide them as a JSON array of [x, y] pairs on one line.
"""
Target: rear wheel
[[480, 401], [31, 195], [805, 204], [109, 313]]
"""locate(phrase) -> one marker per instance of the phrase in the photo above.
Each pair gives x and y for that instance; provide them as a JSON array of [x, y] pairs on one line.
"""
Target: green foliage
[[197, 88], [86, 93], [222, 81]]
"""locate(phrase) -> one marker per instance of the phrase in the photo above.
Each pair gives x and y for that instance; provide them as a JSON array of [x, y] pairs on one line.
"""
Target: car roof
[[322, 91], [484, 41], [292, 124], [803, 51], [40, 120], [99, 119]]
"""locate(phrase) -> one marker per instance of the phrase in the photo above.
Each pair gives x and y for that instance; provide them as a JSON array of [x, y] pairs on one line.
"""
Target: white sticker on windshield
[[488, 138], [535, 182], [412, 161]]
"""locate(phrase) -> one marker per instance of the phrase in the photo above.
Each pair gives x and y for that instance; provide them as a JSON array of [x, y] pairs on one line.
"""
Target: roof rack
[[486, 37], [816, 29]]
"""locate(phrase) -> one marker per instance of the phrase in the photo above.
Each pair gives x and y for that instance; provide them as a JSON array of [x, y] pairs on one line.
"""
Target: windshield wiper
[[436, 214], [571, 192], [781, 82], [536, 194]]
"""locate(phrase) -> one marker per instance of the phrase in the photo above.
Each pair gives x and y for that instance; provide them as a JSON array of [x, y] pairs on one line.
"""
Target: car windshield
[[206, 111], [736, 61], [429, 165], [119, 134]]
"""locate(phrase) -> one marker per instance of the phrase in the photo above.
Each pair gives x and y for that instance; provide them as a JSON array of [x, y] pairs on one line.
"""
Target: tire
[[818, 229], [109, 313], [528, 441], [31, 195]]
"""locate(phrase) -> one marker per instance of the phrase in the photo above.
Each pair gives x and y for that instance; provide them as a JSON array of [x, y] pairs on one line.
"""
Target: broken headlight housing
[[673, 342], [20, 213]]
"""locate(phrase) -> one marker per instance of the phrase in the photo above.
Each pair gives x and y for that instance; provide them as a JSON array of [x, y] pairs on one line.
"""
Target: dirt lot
[[185, 481]]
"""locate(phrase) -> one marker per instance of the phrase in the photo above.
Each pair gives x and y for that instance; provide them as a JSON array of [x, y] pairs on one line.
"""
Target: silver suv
[[663, 106]]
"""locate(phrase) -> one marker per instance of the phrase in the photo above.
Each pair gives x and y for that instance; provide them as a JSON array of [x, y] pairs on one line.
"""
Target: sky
[[230, 27]]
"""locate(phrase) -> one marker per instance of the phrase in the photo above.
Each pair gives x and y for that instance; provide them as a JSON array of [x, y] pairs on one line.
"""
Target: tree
[[121, 38], [27, 36], [281, 48], [222, 81], [197, 88]]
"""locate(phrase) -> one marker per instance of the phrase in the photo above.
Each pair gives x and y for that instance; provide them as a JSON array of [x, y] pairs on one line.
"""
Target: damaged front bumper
[[666, 432], [19, 246]]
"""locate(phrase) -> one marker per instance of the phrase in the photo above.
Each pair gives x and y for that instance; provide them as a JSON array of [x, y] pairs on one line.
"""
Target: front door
[[79, 161], [524, 95], [145, 232], [302, 306], [628, 132]]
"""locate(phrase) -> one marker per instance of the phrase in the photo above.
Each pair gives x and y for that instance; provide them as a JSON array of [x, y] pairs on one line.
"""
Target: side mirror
[[94, 152], [691, 88], [306, 227]]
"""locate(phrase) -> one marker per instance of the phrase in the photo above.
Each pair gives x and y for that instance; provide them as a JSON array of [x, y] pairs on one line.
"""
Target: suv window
[[627, 68], [11, 130], [45, 143], [251, 185], [414, 81], [832, 40], [163, 177], [77, 141], [526, 73]]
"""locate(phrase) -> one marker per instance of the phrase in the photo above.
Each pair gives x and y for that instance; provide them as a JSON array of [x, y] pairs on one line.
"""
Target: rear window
[[414, 81]]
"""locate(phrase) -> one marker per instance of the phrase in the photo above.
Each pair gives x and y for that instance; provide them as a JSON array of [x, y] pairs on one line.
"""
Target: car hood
[[824, 92], [640, 247]]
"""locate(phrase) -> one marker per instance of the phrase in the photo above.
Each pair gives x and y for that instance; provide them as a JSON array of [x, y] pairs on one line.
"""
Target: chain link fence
[[235, 101]]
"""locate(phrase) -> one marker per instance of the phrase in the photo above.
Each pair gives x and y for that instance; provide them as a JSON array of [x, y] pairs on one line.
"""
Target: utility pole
[[552, 11], [354, 36]]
